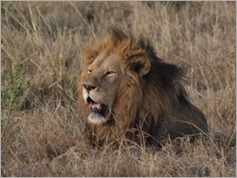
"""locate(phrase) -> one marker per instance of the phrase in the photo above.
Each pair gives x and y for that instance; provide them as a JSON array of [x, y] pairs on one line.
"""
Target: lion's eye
[[89, 71], [109, 72]]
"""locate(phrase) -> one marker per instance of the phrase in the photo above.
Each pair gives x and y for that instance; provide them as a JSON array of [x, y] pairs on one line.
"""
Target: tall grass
[[41, 128]]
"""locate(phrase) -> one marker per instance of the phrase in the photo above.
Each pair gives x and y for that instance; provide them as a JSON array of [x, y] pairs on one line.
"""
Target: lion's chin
[[96, 118]]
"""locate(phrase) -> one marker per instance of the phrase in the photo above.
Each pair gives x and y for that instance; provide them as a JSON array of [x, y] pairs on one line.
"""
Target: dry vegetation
[[41, 128]]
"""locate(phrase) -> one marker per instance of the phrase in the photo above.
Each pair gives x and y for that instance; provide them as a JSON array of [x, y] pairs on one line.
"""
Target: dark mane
[[143, 42]]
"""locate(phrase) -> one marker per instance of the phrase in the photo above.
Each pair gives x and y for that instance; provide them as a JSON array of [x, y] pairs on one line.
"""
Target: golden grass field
[[41, 127]]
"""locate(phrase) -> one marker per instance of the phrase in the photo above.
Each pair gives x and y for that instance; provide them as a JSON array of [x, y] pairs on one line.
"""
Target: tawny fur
[[150, 98]]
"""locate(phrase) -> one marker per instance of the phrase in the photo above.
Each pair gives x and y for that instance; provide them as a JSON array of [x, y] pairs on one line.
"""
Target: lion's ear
[[140, 65]]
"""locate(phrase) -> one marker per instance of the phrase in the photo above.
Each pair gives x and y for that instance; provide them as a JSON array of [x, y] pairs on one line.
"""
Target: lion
[[125, 89]]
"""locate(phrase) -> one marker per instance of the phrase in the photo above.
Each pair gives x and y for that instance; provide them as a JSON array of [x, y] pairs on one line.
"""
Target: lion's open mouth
[[99, 108]]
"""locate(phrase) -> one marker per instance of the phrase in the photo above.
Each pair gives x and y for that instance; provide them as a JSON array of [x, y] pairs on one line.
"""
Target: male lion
[[125, 89]]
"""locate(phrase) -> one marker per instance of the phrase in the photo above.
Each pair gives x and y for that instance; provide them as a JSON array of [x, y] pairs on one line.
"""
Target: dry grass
[[41, 128]]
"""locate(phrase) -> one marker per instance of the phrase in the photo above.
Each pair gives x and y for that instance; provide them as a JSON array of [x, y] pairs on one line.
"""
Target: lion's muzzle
[[98, 110]]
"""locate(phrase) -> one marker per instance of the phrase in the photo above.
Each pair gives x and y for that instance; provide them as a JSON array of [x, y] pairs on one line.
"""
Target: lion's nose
[[88, 87]]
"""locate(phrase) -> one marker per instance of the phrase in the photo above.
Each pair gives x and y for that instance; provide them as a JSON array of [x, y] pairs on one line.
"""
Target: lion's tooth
[[97, 106]]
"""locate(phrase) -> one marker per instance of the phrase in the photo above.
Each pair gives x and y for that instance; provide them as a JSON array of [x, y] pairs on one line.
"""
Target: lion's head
[[111, 78], [100, 87], [124, 85]]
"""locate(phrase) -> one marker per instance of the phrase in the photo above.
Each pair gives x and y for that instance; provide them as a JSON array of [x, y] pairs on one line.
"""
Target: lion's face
[[99, 87]]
